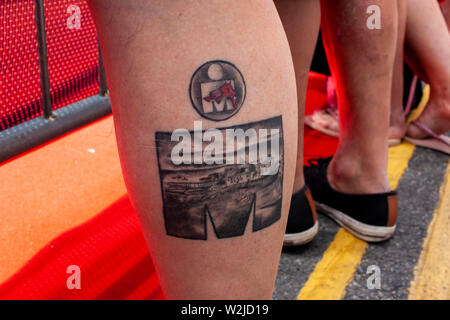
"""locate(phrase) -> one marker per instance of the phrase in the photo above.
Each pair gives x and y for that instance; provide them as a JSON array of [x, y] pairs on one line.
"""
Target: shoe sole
[[361, 230], [301, 238]]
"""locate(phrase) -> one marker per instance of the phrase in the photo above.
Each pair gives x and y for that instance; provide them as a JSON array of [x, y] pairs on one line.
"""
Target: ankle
[[351, 175], [440, 100], [299, 184], [440, 91]]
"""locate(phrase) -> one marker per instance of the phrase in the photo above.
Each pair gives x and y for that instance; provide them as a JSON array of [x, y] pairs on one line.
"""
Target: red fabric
[[111, 253], [110, 249]]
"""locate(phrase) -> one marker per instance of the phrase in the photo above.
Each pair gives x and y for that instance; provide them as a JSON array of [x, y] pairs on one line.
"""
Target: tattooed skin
[[217, 90], [236, 177], [229, 176]]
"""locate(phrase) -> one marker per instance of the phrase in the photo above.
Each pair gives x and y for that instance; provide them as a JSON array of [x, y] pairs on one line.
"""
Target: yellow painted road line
[[336, 268], [431, 276], [398, 162]]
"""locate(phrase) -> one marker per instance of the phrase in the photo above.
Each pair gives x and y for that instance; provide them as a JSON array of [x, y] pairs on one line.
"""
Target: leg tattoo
[[232, 180]]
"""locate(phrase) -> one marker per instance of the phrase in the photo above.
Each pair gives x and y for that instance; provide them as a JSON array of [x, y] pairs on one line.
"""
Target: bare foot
[[436, 116], [326, 120]]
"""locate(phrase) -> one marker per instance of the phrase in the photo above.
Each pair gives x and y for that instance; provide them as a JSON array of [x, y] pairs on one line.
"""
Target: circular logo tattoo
[[217, 90]]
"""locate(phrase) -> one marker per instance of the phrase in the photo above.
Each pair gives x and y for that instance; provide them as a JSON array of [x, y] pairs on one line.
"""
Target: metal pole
[[102, 82], [43, 59]]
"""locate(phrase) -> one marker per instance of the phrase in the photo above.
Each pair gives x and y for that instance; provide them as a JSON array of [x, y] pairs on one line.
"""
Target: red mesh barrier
[[19, 66], [72, 57], [72, 51]]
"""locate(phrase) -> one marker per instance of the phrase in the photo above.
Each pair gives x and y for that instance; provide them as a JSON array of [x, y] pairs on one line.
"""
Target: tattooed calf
[[217, 90], [214, 152], [227, 181]]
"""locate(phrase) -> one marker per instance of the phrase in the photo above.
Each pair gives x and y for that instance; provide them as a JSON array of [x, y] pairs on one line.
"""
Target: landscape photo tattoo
[[229, 195]]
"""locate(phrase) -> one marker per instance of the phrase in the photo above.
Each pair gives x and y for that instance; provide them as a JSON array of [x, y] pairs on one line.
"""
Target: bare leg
[[192, 216], [446, 11], [397, 128], [428, 52], [361, 62], [301, 21]]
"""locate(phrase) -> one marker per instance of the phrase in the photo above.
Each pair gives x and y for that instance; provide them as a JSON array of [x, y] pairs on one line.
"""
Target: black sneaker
[[302, 225], [371, 217]]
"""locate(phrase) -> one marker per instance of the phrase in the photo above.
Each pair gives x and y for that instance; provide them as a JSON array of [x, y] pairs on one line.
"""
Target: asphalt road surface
[[338, 266]]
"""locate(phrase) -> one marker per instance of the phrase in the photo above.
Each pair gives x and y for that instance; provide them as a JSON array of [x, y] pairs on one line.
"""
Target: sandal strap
[[412, 89], [430, 132]]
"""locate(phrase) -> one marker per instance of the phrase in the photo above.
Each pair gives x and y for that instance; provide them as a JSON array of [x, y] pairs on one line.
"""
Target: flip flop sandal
[[326, 123], [435, 142], [326, 120]]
